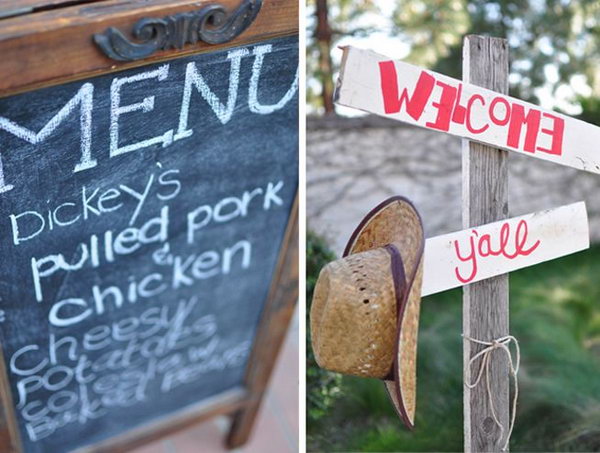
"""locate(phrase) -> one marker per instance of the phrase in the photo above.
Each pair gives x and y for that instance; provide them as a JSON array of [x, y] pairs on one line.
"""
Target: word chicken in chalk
[[184, 269]]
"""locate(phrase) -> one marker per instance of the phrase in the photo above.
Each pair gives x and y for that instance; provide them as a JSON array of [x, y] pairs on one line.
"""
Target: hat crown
[[354, 315], [346, 338]]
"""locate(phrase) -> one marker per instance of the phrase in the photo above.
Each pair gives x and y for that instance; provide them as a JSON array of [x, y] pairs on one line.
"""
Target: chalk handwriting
[[124, 271], [195, 79], [115, 365], [253, 103], [93, 202], [147, 105], [192, 80], [84, 99]]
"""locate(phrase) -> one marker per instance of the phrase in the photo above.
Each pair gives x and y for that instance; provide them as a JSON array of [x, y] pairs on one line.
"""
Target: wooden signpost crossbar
[[490, 124], [398, 90], [480, 253]]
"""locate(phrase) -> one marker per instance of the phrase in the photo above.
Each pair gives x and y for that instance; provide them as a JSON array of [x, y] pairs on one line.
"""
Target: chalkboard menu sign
[[141, 218]]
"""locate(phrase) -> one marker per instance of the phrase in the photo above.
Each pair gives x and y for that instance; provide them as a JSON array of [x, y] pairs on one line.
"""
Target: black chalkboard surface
[[141, 215]]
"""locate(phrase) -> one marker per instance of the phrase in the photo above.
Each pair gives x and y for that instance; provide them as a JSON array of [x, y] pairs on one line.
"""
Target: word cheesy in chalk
[[194, 81], [113, 365]]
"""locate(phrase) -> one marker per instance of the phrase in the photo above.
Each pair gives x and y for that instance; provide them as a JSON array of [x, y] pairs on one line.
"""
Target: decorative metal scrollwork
[[210, 24]]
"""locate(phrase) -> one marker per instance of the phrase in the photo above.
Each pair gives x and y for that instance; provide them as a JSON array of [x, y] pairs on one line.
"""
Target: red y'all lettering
[[471, 257], [392, 101], [484, 248]]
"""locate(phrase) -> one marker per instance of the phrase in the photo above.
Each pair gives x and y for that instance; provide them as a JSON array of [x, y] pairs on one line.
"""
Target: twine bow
[[486, 354]]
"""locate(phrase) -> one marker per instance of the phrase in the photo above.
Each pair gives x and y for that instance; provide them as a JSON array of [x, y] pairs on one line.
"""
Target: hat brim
[[396, 221]]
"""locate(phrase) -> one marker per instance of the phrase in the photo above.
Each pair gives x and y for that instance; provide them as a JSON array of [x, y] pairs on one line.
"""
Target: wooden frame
[[63, 37], [53, 45]]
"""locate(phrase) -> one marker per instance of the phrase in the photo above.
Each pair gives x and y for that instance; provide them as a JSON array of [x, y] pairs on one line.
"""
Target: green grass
[[555, 315]]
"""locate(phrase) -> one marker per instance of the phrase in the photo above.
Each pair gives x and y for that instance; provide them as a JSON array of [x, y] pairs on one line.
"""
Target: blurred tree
[[327, 22], [322, 386], [323, 39], [590, 113], [553, 43], [433, 29]]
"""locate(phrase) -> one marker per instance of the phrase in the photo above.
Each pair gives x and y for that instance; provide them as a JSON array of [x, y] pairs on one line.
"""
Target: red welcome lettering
[[392, 102], [517, 120], [445, 107], [460, 112], [556, 133], [484, 248], [469, 125], [500, 122]]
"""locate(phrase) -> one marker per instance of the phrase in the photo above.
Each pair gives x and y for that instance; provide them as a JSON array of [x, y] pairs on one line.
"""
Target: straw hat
[[365, 310]]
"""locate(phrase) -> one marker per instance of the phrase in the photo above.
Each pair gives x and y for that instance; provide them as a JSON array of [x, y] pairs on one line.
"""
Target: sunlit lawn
[[554, 313]]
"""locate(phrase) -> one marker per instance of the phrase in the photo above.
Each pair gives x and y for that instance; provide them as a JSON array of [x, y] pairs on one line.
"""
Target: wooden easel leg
[[10, 441], [272, 329], [241, 425]]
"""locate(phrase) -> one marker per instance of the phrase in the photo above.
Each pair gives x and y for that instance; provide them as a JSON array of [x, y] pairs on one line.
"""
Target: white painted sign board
[[456, 259], [398, 90]]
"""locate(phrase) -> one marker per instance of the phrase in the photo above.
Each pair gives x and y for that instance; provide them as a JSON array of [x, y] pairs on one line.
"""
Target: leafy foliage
[[322, 387], [432, 28], [590, 109], [346, 18], [553, 43]]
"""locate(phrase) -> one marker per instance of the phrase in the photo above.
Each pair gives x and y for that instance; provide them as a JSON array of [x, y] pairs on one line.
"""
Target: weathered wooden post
[[485, 303]]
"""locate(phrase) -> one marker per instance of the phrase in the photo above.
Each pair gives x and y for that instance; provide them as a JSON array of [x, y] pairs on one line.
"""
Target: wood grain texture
[[18, 7], [485, 303], [274, 322], [220, 405], [9, 431], [452, 259], [55, 46]]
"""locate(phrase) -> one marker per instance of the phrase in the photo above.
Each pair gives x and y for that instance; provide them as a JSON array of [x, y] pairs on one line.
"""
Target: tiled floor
[[276, 429]]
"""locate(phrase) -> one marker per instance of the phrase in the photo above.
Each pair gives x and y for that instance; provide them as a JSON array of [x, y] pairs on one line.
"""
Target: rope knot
[[485, 354]]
